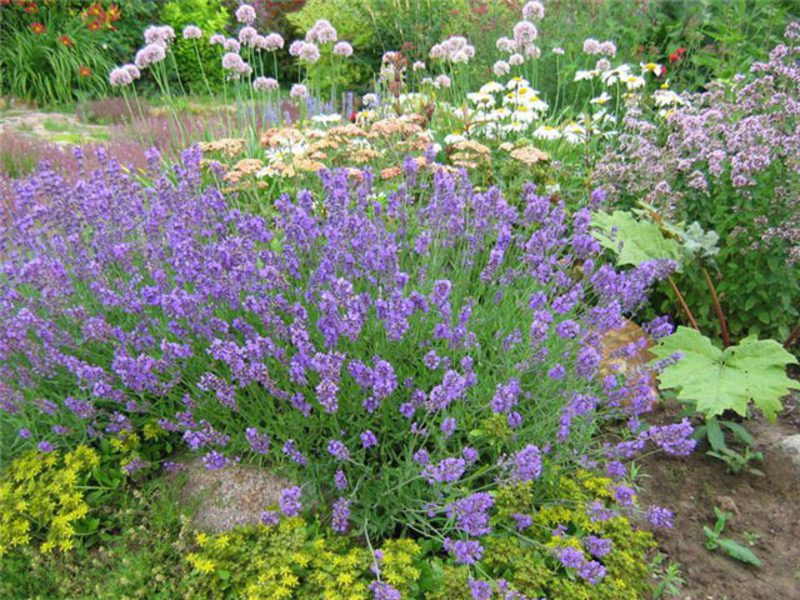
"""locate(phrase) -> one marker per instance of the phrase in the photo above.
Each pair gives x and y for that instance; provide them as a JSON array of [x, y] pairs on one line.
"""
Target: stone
[[226, 498], [790, 446]]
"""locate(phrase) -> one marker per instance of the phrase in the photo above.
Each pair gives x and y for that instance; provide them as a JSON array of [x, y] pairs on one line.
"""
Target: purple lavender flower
[[624, 495], [472, 513], [598, 547], [470, 454], [465, 552], [422, 457], [289, 501], [431, 360], [526, 465], [572, 558], [340, 480], [270, 518], [592, 571], [45, 446], [259, 442], [214, 461], [659, 517], [290, 450], [448, 426], [340, 519], [505, 396], [445, 471], [523, 521], [368, 439], [338, 450], [480, 590], [383, 591]]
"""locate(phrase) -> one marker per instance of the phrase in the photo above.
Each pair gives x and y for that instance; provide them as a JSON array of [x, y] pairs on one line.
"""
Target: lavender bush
[[398, 354]]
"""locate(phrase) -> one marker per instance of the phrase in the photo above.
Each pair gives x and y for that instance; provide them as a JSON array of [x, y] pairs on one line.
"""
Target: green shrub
[[55, 55], [211, 17]]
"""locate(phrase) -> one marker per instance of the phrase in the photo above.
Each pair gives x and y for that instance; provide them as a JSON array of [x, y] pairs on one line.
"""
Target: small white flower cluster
[[455, 49]]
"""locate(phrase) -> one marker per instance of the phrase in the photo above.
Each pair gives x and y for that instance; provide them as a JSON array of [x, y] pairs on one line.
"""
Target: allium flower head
[[246, 14], [441, 81], [343, 49], [159, 34], [533, 11], [232, 61], [273, 41], [501, 68], [265, 84], [298, 91], [247, 36], [192, 32], [591, 46], [322, 32], [150, 55], [231, 45], [525, 33], [217, 39], [120, 76]]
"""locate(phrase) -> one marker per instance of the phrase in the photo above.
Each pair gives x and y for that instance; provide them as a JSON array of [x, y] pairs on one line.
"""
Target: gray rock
[[235, 495], [790, 446]]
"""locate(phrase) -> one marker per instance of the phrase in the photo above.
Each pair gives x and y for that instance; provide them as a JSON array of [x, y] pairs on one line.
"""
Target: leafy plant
[[732, 548], [713, 431], [753, 371], [56, 54]]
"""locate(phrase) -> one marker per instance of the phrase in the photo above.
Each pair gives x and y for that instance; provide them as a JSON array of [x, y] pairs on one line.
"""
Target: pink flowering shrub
[[397, 354], [729, 159]]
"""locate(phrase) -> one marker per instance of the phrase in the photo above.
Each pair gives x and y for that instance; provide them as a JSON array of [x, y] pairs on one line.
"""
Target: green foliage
[[349, 19], [719, 380], [52, 57], [731, 547], [293, 560], [635, 241], [714, 430], [197, 60], [721, 37], [528, 561]]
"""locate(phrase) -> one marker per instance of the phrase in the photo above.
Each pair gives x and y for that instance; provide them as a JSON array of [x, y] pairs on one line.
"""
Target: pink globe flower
[[192, 32], [343, 49]]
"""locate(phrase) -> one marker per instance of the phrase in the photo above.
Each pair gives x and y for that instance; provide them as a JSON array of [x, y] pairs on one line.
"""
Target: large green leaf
[[634, 241], [719, 380]]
